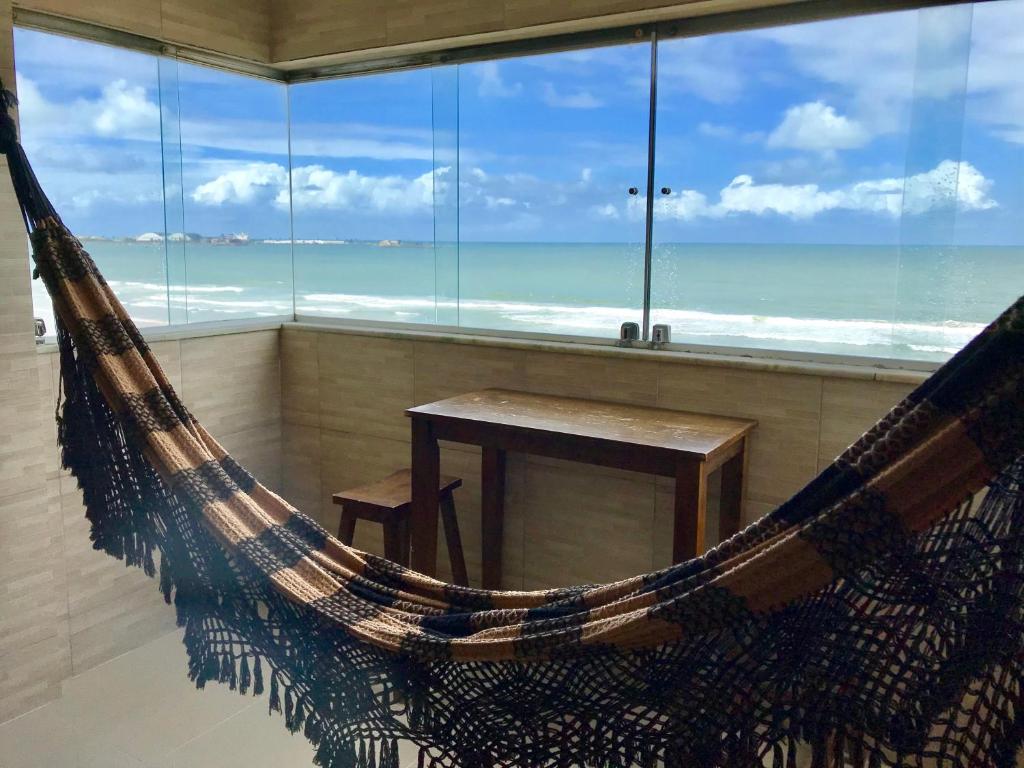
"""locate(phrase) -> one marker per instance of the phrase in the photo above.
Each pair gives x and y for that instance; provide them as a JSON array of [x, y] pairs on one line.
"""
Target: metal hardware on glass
[[40, 330], [628, 333], [666, 190], [661, 333], [633, 190]]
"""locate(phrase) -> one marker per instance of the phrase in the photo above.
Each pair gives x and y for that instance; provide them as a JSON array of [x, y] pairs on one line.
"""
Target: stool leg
[[393, 541], [347, 526], [453, 540]]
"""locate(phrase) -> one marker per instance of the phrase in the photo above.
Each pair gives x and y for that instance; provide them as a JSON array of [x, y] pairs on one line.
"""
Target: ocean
[[919, 303]]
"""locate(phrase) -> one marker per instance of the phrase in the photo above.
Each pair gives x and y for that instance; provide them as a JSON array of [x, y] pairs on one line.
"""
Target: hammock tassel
[[244, 676], [257, 677], [289, 711], [275, 693]]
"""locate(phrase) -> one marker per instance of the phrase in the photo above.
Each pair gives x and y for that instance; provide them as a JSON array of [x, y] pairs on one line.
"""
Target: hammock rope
[[874, 619]]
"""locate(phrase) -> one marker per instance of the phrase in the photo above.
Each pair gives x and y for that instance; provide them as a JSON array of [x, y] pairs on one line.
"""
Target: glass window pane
[[819, 174], [551, 240], [90, 123], [236, 234], [963, 261], [363, 196]]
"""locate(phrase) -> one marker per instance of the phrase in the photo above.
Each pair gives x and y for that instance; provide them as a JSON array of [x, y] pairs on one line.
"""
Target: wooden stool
[[387, 502]]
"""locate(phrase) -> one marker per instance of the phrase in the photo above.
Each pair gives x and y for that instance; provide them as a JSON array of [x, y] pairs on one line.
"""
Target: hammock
[[873, 619]]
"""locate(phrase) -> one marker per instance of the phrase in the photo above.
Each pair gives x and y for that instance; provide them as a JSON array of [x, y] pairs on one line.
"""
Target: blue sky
[[906, 127]]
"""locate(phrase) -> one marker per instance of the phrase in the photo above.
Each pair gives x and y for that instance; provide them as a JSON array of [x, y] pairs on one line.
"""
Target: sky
[[897, 128]]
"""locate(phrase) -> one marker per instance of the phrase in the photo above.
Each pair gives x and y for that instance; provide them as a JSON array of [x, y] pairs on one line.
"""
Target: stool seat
[[394, 492], [389, 502]]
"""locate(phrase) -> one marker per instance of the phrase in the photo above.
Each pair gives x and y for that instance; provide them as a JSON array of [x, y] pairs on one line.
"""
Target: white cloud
[[685, 205], [125, 110], [716, 131], [491, 84], [606, 211], [997, 60], [817, 127], [243, 185], [710, 67], [880, 63], [314, 186], [579, 99], [498, 202], [949, 183], [317, 187], [122, 111]]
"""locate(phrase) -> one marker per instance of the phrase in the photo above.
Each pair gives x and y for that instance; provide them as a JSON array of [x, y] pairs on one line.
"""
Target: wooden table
[[686, 446]]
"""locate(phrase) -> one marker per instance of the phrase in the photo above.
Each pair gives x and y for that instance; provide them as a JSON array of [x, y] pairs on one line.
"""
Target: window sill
[[195, 330], [863, 369]]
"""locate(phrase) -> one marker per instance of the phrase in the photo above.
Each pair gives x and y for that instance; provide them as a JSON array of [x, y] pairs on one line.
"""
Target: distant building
[[150, 237], [238, 238]]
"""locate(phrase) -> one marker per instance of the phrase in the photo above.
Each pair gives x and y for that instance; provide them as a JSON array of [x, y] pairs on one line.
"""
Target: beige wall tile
[[592, 377], [850, 408], [25, 453], [300, 468], [301, 29], [409, 20], [258, 449], [31, 675], [784, 446], [49, 377], [307, 28], [111, 607], [232, 383], [445, 370], [34, 650], [32, 573], [141, 16], [300, 377], [167, 354], [583, 526], [366, 383], [237, 29]]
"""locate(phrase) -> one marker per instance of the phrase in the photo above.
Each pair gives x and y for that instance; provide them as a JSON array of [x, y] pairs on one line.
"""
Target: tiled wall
[[240, 29], [302, 29], [343, 400], [33, 634], [65, 607]]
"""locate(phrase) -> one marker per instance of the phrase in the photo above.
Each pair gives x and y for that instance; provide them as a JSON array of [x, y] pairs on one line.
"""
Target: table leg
[[691, 510], [347, 526], [731, 515], [393, 549], [492, 514], [426, 474]]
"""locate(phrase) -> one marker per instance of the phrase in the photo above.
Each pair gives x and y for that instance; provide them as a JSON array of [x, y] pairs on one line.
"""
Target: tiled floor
[[140, 711]]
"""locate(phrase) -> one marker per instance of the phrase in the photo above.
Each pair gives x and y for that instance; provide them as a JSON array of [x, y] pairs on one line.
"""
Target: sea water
[[887, 301]]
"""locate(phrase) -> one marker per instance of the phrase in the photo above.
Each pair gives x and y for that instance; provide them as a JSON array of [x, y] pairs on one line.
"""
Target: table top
[[695, 434]]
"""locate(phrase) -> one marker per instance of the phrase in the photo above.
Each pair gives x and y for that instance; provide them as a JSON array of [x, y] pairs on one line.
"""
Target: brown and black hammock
[[873, 619]]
